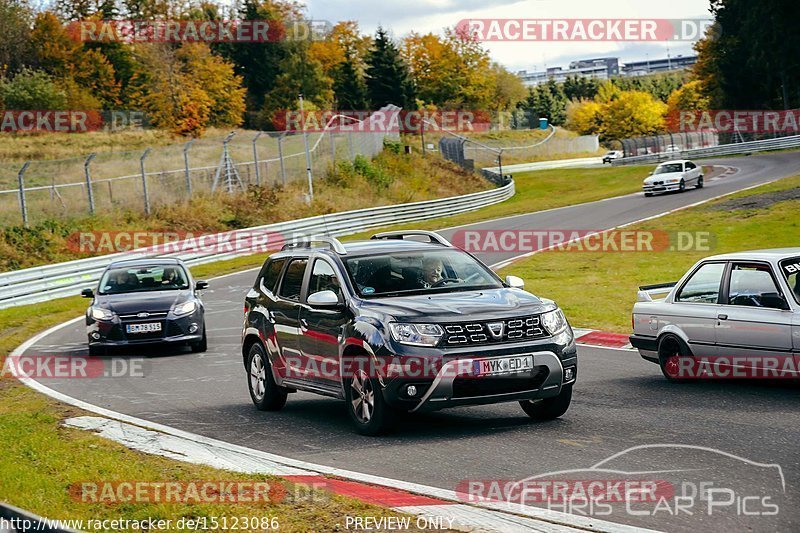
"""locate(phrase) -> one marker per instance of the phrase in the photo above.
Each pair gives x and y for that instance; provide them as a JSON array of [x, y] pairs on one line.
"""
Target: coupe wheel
[[365, 404], [549, 408], [682, 186], [670, 352], [265, 393], [699, 183]]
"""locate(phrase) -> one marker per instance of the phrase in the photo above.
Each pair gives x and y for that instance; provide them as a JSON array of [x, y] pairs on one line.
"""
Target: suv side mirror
[[514, 282], [200, 285], [87, 293], [323, 299]]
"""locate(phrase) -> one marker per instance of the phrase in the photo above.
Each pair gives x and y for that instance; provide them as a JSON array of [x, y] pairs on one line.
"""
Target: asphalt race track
[[620, 402]]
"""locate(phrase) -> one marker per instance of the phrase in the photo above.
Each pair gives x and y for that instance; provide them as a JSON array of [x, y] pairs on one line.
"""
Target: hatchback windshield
[[672, 167], [143, 278], [419, 272]]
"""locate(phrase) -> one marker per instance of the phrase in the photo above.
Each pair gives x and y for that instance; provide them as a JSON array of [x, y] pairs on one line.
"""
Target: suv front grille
[[494, 331]]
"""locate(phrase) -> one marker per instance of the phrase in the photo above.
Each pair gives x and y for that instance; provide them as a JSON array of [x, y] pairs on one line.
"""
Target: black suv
[[394, 323]]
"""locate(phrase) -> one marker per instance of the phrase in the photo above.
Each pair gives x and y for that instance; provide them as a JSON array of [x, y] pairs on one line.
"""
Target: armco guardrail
[[65, 279], [781, 143], [15, 520]]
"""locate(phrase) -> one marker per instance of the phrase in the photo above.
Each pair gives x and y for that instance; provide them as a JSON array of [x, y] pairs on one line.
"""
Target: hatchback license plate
[[503, 365], [143, 328]]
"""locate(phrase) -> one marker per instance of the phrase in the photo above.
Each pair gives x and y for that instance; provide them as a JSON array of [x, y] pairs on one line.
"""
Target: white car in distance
[[673, 175]]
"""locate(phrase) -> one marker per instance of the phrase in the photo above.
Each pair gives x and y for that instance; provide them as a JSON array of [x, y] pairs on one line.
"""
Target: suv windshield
[[401, 273], [143, 278], [666, 169]]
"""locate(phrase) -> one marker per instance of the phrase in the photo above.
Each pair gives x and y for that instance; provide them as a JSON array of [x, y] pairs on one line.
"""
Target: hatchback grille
[[494, 331], [151, 316]]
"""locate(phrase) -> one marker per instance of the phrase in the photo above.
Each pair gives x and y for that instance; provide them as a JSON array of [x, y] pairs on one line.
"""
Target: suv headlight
[[554, 322], [416, 334], [185, 308], [98, 313]]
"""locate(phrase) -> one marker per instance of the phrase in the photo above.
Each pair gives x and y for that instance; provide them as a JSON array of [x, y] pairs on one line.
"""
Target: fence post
[[21, 179], [186, 148], [350, 145], [280, 157], [333, 147], [255, 159], [500, 164], [89, 182], [308, 154], [144, 181], [422, 135]]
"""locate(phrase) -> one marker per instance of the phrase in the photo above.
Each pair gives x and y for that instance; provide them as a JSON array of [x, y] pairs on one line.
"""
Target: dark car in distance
[[396, 324], [145, 301]]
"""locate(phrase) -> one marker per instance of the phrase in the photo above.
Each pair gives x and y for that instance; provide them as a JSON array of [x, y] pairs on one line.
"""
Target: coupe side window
[[293, 279], [753, 286], [690, 166], [703, 286]]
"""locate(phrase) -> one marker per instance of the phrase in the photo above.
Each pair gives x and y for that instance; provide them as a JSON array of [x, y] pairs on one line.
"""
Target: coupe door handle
[[722, 317], [304, 323]]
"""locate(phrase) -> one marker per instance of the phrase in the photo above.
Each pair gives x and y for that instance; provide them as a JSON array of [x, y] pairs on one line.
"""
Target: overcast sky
[[403, 16]]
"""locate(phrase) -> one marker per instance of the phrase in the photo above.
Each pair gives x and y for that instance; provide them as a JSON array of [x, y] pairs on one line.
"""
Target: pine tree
[[349, 87], [388, 79]]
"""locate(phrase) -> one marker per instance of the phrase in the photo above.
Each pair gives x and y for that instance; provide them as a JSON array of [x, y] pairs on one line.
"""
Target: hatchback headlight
[[554, 322], [416, 334], [98, 313], [185, 308]]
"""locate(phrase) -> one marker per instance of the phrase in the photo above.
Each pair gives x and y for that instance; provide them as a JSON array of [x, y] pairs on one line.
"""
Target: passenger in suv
[[364, 323]]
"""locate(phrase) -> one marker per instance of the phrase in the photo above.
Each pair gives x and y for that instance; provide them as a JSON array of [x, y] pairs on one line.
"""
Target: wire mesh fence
[[144, 179]]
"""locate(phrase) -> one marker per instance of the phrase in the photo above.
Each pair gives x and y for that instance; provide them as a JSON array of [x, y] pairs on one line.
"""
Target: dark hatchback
[[145, 301], [394, 324]]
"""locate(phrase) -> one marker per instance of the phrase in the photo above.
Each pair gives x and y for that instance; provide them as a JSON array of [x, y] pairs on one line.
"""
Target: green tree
[[349, 87], [32, 89], [388, 79], [16, 50]]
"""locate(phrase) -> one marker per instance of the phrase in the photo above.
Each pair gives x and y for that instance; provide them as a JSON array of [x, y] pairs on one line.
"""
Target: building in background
[[603, 68]]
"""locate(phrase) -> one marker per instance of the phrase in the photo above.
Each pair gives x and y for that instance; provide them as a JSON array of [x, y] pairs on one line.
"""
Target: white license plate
[[503, 365], [143, 328]]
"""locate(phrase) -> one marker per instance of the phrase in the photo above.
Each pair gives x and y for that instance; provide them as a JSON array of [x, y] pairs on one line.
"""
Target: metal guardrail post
[[144, 181], [333, 147], [186, 148], [255, 159], [88, 174], [21, 181], [280, 157]]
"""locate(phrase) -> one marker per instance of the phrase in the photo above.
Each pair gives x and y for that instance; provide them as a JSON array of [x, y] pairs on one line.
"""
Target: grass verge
[[41, 459], [598, 289]]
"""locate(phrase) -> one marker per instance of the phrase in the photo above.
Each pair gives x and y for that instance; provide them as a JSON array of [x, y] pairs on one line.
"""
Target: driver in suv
[[393, 324]]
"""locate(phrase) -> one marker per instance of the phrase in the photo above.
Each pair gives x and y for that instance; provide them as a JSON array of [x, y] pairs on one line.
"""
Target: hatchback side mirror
[[324, 299], [514, 282], [200, 285], [87, 293]]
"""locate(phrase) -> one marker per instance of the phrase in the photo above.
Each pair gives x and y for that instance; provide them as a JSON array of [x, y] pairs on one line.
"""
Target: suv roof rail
[[333, 242], [434, 237]]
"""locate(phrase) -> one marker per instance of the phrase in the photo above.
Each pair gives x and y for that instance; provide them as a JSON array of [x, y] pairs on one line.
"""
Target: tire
[[265, 393], [202, 344], [365, 404], [682, 186], [549, 408], [699, 184], [648, 194], [670, 350]]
